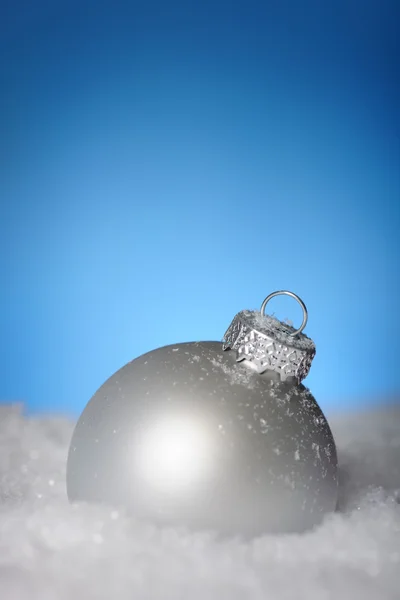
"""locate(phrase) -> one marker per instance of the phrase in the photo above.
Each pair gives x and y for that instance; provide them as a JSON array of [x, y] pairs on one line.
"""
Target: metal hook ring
[[292, 295]]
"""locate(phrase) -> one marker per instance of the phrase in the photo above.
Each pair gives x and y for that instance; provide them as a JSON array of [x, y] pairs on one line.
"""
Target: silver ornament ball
[[204, 437]]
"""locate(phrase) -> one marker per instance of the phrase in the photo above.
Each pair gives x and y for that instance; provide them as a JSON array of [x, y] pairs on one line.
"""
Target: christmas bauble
[[211, 435]]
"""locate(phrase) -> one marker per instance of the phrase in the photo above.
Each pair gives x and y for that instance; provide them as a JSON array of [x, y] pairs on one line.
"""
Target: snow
[[282, 331], [236, 373], [50, 550]]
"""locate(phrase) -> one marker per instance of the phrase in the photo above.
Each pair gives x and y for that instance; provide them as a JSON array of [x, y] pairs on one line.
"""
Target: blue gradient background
[[167, 164]]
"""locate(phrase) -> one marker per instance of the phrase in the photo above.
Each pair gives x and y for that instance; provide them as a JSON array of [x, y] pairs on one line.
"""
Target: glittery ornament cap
[[269, 344]]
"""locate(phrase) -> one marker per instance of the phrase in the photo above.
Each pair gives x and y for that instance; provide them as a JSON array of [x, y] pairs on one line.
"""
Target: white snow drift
[[50, 550]]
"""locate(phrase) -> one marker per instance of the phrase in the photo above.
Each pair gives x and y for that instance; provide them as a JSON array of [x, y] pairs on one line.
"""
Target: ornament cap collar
[[269, 344]]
